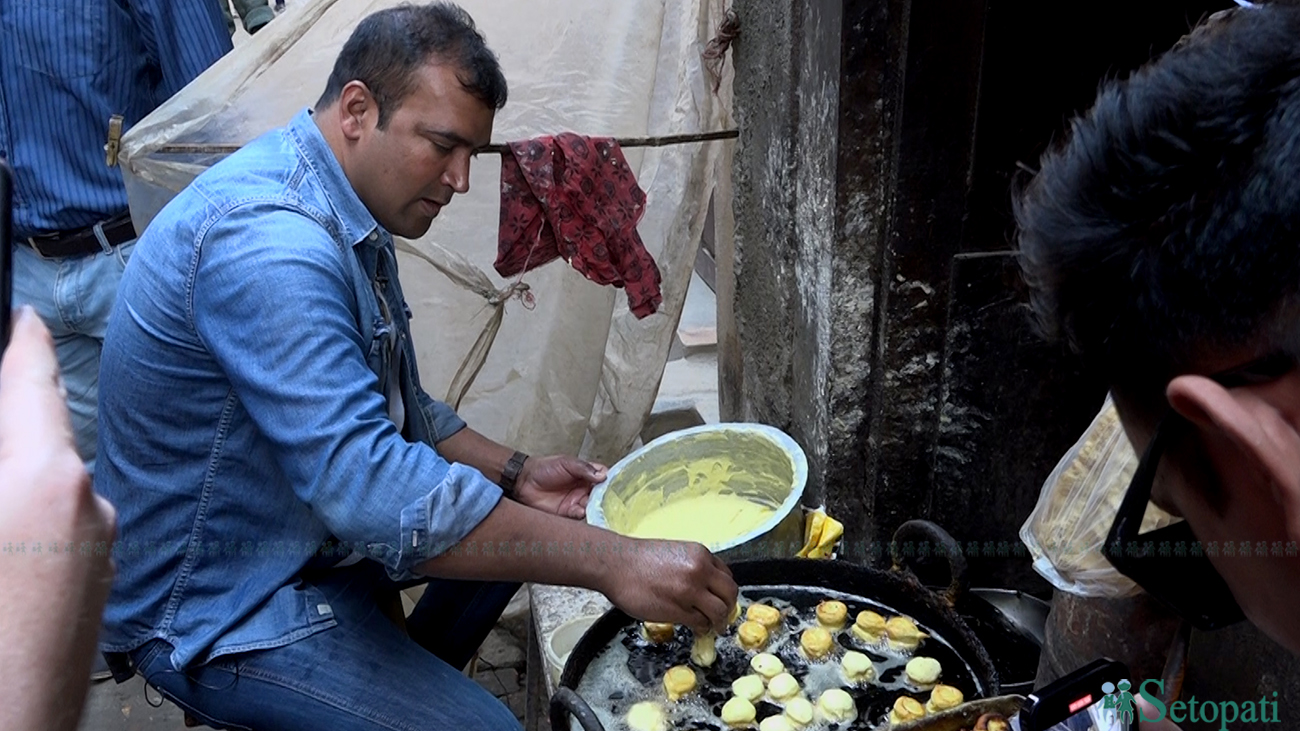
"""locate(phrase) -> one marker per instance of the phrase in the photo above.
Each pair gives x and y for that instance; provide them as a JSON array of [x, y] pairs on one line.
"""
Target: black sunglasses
[[1169, 563]]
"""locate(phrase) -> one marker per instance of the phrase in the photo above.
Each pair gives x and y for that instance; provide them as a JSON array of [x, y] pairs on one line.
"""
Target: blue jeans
[[364, 673], [74, 296]]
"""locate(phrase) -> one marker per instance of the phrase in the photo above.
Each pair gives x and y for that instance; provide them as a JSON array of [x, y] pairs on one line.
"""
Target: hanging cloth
[[575, 197]]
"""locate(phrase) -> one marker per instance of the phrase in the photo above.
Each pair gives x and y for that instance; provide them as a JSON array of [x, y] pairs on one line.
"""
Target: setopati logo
[[1119, 700]]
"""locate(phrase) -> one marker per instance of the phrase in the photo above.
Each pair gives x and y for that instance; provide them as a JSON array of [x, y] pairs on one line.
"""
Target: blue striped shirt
[[66, 66]]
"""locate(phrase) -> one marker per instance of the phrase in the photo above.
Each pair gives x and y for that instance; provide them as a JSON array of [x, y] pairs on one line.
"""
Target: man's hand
[[51, 596], [559, 485], [670, 581]]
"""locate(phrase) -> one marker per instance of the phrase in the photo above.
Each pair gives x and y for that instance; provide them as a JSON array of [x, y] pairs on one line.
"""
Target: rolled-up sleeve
[[273, 303], [442, 418]]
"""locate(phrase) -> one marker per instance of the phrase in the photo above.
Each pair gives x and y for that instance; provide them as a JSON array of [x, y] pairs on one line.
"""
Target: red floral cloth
[[575, 197]]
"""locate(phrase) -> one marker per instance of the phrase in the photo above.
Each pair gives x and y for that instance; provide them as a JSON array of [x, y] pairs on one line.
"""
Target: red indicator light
[[1083, 702]]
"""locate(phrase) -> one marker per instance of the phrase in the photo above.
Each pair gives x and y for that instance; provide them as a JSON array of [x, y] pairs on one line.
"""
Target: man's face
[[408, 171], [1237, 480]]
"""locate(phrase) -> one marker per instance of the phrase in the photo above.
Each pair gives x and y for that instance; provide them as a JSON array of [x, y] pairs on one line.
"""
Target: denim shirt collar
[[359, 226]]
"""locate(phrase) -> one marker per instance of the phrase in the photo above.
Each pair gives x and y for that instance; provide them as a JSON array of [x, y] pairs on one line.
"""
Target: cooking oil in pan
[[631, 669]]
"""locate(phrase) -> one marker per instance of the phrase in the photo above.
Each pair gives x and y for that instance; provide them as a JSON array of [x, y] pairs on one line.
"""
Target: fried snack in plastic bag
[[1067, 530]]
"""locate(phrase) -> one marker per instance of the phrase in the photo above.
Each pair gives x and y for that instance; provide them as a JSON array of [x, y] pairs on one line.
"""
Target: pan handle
[[944, 545], [566, 700]]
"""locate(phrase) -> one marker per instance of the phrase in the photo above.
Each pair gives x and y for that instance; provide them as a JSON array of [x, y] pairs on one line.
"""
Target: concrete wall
[[866, 320]]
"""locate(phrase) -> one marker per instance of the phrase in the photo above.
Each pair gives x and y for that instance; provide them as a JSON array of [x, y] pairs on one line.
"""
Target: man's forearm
[[468, 447], [518, 543]]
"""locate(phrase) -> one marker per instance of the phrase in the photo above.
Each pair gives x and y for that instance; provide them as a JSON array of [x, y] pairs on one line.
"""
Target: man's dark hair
[[389, 46], [1167, 226]]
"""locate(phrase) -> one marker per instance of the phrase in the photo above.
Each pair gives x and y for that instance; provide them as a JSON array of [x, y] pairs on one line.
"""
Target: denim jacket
[[243, 417]]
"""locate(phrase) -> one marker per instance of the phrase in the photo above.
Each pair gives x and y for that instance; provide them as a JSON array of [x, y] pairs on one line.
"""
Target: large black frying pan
[[898, 590]]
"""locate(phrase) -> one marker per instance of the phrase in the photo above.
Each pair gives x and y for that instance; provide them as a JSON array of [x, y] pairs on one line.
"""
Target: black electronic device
[[1096, 697]]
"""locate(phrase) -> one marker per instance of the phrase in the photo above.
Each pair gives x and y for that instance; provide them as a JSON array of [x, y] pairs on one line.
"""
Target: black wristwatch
[[511, 472]]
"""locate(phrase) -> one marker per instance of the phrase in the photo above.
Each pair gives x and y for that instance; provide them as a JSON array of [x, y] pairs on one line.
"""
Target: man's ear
[[1258, 431], [356, 109]]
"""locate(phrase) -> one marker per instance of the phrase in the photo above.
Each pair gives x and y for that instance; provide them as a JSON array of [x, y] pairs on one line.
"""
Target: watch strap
[[510, 473]]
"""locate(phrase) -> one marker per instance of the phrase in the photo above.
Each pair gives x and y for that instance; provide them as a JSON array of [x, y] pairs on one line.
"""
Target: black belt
[[117, 230]]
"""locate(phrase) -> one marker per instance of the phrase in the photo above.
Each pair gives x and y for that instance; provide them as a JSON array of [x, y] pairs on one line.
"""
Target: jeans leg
[[74, 297], [453, 617], [362, 675]]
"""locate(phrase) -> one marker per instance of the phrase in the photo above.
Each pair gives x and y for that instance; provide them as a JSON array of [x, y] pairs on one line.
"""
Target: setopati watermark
[[1119, 700]]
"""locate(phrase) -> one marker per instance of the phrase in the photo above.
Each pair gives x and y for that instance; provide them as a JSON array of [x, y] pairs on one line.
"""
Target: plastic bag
[[1067, 530], [822, 534]]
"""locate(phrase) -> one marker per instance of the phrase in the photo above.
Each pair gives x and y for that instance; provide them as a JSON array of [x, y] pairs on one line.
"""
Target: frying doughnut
[[776, 723], [657, 632], [906, 709], [752, 635], [837, 706], [903, 633], [832, 615], [799, 711], [857, 667], [738, 712], [749, 687], [992, 722], [944, 697], [767, 616], [767, 665], [678, 681], [869, 627], [923, 670], [647, 716], [783, 687], [816, 642]]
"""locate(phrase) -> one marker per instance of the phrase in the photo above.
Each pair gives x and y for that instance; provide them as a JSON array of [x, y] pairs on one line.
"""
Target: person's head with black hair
[[1161, 240], [413, 94]]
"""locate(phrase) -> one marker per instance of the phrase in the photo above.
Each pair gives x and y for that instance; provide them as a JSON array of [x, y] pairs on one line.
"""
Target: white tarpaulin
[[578, 371]]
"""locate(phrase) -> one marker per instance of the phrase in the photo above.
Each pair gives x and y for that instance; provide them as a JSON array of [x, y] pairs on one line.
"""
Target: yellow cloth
[[821, 533]]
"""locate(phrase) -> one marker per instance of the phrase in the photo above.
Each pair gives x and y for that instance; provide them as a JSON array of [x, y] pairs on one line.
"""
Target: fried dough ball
[[944, 697], [647, 716], [678, 681], [923, 670], [832, 615], [752, 635], [869, 627], [738, 712], [816, 642], [704, 650], [906, 709], [749, 687], [799, 711], [776, 723], [769, 617], [857, 667], [767, 665], [783, 687], [903, 633], [734, 615], [837, 706], [657, 632], [992, 722]]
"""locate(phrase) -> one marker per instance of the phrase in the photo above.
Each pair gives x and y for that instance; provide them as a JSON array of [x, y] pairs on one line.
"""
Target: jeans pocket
[[123, 253]]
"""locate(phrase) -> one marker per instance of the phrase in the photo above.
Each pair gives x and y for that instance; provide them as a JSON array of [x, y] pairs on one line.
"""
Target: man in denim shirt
[[261, 401]]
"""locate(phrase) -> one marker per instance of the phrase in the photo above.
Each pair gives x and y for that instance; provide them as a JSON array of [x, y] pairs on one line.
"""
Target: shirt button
[[374, 235]]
